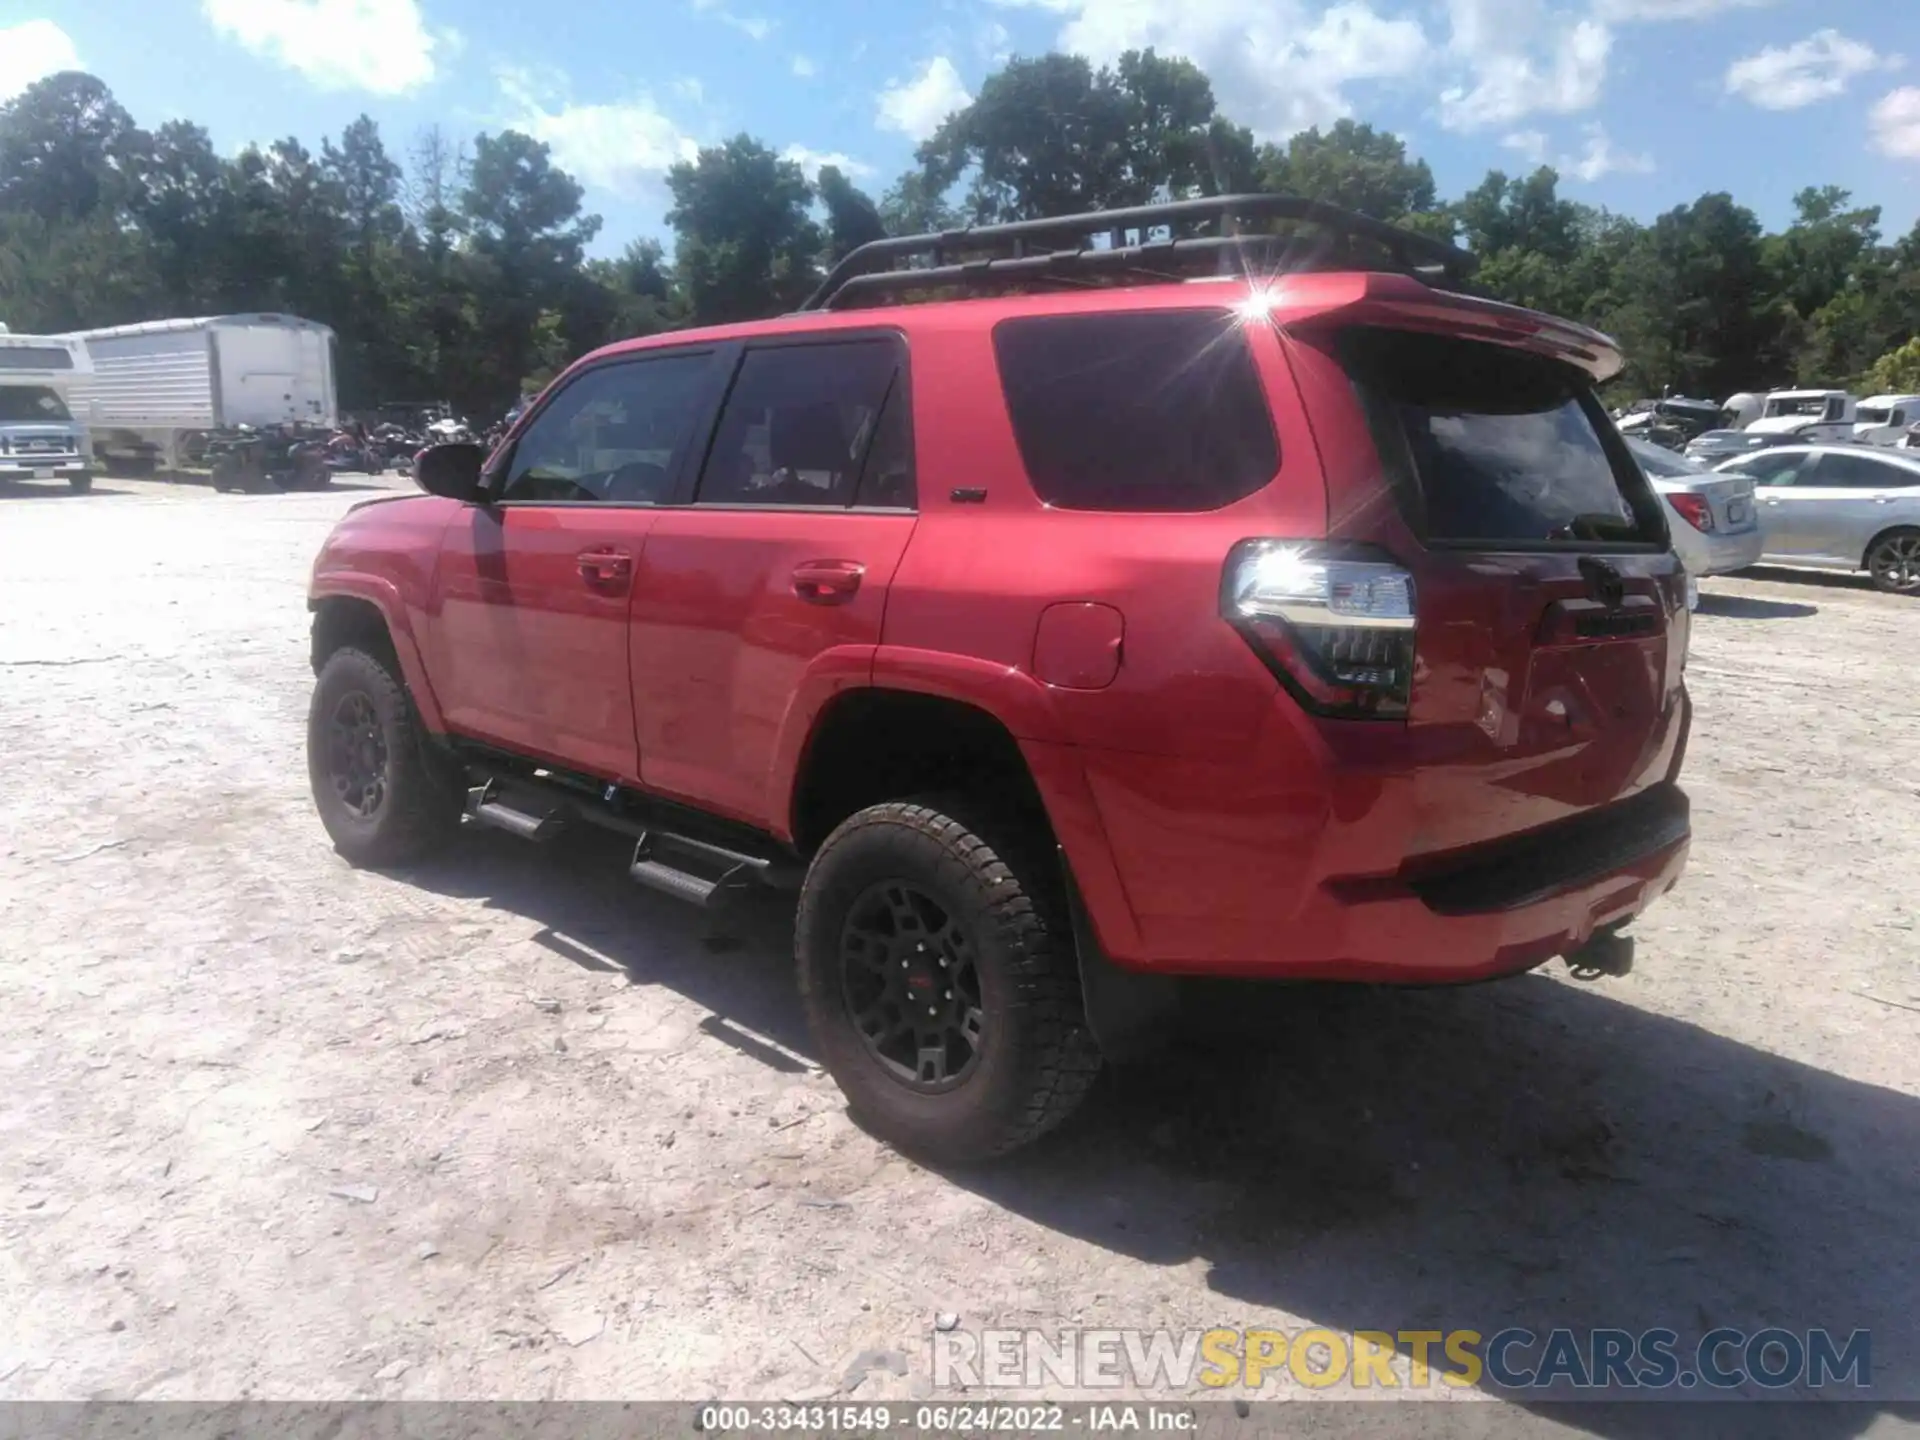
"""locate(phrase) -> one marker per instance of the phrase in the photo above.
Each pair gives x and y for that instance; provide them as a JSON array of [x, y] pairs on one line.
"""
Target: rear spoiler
[[1400, 302]]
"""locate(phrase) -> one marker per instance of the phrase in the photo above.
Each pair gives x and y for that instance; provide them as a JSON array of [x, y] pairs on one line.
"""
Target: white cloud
[[754, 27], [625, 146], [804, 68], [1672, 9], [1786, 77], [32, 51], [1599, 158], [916, 106], [1278, 65], [1896, 124], [811, 160], [1521, 58], [378, 45], [1530, 143]]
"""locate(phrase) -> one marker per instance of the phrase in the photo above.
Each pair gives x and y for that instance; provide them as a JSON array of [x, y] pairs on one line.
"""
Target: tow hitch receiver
[[1608, 953]]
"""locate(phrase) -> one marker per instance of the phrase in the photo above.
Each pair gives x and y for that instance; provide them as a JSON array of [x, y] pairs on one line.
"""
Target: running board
[[657, 857], [483, 809]]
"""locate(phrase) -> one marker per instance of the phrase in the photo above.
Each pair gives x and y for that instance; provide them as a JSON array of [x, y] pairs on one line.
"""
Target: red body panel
[[1211, 824], [734, 611]]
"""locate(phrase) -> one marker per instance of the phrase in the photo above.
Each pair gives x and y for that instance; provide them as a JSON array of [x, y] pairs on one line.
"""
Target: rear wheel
[[939, 978], [1893, 561], [383, 794]]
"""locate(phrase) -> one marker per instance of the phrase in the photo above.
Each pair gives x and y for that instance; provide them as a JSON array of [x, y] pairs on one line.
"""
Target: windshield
[[28, 403], [1815, 405], [1657, 461], [1874, 414]]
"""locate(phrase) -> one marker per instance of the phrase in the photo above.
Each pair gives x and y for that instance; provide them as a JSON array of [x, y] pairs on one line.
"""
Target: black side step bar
[[483, 808], [658, 864]]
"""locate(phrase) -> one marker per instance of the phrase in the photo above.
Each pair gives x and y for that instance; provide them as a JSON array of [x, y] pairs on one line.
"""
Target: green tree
[[746, 244], [67, 148], [1897, 372], [1354, 166], [852, 219]]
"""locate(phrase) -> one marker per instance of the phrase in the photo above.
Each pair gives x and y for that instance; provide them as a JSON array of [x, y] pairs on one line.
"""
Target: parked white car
[[1846, 506], [1884, 419], [1711, 515]]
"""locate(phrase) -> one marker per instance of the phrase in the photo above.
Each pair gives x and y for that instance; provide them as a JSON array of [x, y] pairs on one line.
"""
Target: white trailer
[[162, 388]]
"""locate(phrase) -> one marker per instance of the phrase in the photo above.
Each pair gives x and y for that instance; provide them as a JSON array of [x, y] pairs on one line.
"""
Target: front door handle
[[827, 582], [605, 568]]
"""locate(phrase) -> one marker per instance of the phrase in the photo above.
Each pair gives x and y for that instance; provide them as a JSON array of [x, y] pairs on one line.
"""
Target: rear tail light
[[1694, 510], [1334, 623]]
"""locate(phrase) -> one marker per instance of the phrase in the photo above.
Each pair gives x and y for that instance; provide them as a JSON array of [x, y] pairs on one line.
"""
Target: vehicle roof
[[20, 375], [1804, 394], [1889, 399], [200, 322], [1866, 452], [1292, 299]]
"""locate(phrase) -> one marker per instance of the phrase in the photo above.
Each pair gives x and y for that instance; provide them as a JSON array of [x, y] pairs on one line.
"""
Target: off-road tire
[[994, 876], [81, 483], [423, 798]]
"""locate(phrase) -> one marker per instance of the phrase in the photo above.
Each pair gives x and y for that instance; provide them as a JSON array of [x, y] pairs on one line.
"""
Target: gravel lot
[[511, 1127]]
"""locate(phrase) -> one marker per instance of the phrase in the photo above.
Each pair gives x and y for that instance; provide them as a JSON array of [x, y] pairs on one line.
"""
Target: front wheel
[[81, 482], [1893, 561], [939, 978], [384, 796]]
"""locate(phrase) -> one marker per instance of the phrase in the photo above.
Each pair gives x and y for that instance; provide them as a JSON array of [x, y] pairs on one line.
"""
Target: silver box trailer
[[161, 389]]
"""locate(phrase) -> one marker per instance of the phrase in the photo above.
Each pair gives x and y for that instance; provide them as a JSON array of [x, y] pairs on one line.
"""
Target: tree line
[[459, 269]]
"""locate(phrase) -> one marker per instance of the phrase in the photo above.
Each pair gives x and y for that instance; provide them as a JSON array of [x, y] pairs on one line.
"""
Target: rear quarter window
[[1493, 446], [1148, 411]]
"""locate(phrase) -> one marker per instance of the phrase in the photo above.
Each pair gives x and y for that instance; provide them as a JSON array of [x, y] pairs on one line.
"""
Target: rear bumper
[[1723, 554], [1325, 877]]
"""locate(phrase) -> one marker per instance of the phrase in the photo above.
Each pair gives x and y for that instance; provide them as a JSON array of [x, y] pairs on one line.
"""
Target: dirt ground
[[511, 1127]]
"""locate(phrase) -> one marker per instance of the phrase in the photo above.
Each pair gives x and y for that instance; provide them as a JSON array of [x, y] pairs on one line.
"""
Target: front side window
[[800, 423], [614, 435]]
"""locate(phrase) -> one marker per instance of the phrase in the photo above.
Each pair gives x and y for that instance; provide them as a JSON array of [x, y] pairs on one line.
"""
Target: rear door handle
[[827, 582], [605, 568]]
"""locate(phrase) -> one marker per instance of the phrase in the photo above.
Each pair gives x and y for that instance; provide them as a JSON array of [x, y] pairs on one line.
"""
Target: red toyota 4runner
[[1102, 616]]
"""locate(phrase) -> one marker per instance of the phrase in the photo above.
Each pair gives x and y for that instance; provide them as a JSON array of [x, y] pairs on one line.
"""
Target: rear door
[[528, 632], [1551, 613], [776, 573], [1788, 512]]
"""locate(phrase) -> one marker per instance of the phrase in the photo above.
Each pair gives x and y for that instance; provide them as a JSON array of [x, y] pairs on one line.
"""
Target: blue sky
[[1642, 104]]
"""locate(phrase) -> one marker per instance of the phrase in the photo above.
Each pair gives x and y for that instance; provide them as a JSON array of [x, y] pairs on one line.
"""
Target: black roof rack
[[1061, 251]]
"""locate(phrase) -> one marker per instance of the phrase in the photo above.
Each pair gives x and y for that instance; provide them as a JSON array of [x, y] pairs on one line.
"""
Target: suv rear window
[[1494, 446], [1158, 410]]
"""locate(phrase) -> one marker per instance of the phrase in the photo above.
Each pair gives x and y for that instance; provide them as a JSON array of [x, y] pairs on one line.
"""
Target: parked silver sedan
[[1713, 517], [1847, 506]]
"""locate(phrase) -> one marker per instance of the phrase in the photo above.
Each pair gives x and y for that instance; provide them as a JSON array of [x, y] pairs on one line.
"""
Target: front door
[[528, 636], [776, 574]]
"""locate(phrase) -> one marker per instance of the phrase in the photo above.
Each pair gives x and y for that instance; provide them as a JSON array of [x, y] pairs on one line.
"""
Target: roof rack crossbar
[[1248, 255], [1072, 236]]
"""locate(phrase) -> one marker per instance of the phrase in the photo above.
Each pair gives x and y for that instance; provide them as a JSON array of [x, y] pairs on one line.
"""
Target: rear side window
[[1158, 411], [1494, 446], [802, 422]]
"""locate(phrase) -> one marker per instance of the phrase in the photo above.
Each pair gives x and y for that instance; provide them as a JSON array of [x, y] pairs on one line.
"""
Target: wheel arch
[[365, 611]]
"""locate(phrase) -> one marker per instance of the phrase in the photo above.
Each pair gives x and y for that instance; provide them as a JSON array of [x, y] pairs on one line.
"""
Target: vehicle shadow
[[1752, 607], [1791, 575], [1528, 1153], [53, 490]]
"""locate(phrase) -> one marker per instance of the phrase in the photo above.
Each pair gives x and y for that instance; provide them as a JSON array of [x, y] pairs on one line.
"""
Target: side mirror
[[452, 470]]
